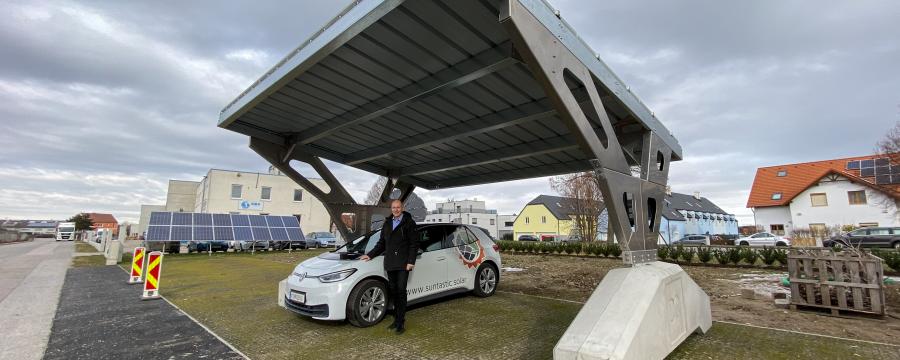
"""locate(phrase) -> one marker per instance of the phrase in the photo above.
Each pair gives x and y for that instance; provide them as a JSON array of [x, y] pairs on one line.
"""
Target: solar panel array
[[880, 168], [181, 226]]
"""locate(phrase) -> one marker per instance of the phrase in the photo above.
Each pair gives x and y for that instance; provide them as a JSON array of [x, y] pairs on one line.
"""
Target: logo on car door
[[471, 254]]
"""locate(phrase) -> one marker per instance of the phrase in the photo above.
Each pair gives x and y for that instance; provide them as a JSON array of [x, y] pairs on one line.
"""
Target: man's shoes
[[400, 329], [392, 326]]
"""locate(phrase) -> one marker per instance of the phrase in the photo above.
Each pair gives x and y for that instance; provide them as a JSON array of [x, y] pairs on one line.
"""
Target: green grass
[[89, 261], [84, 248], [235, 296]]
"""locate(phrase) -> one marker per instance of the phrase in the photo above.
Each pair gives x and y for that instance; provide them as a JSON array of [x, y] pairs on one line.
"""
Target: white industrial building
[[473, 212], [243, 192], [822, 195]]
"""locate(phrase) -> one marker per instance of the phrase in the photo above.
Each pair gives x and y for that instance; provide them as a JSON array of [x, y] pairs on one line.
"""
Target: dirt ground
[[574, 278]]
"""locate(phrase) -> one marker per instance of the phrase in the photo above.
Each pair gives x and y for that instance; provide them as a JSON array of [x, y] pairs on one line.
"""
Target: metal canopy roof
[[432, 93]]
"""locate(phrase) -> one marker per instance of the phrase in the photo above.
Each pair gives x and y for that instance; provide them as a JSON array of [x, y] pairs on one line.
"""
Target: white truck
[[65, 231]]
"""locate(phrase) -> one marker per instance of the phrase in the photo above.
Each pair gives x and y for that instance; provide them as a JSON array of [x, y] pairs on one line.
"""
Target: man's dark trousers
[[397, 283]]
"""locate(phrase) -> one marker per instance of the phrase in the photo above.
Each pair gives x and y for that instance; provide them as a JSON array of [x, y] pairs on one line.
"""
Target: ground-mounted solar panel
[[294, 234], [160, 218], [274, 221], [158, 233], [258, 221], [182, 233], [243, 233], [290, 221], [261, 233], [201, 219], [221, 219], [240, 220], [853, 165], [203, 233], [279, 233], [223, 233], [183, 219]]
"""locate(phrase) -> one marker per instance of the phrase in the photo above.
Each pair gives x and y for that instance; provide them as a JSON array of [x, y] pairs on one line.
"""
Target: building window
[[235, 191], [298, 195], [266, 193], [475, 221], [777, 229], [782, 173], [543, 219], [818, 199], [508, 223], [857, 197], [492, 221], [776, 196], [868, 224], [527, 220]]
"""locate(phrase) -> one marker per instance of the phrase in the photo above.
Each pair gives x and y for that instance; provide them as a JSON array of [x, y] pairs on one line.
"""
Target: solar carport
[[447, 93], [441, 94]]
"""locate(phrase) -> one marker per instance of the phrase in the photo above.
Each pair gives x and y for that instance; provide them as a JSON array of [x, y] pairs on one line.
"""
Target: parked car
[[694, 240], [170, 247], [203, 246], [764, 239], [322, 239], [869, 237], [452, 258], [250, 245], [527, 238]]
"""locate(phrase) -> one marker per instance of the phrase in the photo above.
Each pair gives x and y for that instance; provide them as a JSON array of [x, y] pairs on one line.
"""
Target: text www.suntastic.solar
[[436, 286]]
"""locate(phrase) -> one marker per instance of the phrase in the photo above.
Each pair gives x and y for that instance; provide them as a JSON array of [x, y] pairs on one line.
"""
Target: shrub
[[781, 255], [568, 248], [675, 253], [734, 255], [890, 258], [662, 252], [605, 249], [749, 255], [615, 250], [768, 255], [704, 254], [721, 256], [598, 249], [687, 254]]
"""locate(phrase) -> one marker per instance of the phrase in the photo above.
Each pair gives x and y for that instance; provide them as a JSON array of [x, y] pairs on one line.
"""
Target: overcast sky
[[102, 102]]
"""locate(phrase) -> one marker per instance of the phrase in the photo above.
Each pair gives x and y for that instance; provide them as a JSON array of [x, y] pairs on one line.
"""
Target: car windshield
[[362, 244], [66, 229]]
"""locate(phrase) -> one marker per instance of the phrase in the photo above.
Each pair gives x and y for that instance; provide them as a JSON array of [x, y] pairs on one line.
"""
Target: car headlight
[[336, 276]]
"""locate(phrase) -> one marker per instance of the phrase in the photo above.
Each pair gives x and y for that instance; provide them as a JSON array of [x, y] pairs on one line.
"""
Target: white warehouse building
[[473, 212]]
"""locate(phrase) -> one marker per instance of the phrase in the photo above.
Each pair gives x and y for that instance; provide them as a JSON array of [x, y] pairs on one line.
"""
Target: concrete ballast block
[[642, 312]]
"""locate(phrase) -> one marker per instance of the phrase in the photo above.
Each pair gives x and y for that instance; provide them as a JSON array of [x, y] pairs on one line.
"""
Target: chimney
[[697, 195], [669, 190]]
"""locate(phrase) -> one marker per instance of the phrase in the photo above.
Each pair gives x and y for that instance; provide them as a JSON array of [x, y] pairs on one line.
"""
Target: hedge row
[[732, 255], [599, 248]]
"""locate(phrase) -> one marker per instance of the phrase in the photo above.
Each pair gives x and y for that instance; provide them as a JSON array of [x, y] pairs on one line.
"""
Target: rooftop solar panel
[[160, 218], [882, 162], [866, 172], [867, 164], [851, 165]]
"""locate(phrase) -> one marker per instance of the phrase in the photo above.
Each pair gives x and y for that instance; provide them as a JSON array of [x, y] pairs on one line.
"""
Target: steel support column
[[337, 200], [634, 203]]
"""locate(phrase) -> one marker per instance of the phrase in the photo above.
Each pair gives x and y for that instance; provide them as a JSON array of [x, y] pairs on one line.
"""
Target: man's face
[[396, 208]]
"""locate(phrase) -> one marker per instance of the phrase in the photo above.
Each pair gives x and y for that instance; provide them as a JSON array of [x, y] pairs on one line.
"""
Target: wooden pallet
[[843, 281]]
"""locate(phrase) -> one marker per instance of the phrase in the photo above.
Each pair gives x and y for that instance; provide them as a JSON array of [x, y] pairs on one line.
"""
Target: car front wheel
[[780, 244], [744, 243], [367, 303], [486, 280], [896, 244]]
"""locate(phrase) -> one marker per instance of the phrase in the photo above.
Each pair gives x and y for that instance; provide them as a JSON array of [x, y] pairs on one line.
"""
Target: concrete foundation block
[[642, 312], [782, 303], [282, 291], [114, 252]]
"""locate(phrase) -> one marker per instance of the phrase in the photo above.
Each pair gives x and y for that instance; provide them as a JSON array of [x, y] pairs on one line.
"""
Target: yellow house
[[545, 216]]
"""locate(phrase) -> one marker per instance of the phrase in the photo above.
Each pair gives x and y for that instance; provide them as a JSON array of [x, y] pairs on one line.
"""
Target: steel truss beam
[[337, 200], [634, 203]]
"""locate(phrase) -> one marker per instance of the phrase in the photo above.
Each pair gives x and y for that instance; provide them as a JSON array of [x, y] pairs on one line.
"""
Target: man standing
[[398, 242]]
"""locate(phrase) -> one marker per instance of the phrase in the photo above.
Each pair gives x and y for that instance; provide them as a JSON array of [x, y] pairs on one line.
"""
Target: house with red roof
[[105, 221], [859, 191]]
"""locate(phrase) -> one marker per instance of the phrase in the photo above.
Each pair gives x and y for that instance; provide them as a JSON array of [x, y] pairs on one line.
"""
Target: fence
[[849, 281], [14, 236]]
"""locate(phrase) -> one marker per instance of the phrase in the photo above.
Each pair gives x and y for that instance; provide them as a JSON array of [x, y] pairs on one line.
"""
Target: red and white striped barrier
[[137, 265], [154, 269]]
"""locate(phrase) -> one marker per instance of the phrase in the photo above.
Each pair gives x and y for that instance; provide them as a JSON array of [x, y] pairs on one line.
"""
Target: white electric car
[[452, 258]]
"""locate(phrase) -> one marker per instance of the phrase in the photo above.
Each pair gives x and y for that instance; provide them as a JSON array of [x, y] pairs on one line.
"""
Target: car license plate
[[298, 297]]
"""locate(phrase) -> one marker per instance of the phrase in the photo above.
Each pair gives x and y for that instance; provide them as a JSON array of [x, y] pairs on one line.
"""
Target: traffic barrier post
[[154, 269], [137, 265]]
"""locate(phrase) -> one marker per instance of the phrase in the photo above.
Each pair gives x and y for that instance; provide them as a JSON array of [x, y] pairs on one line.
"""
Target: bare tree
[[889, 146], [584, 203]]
